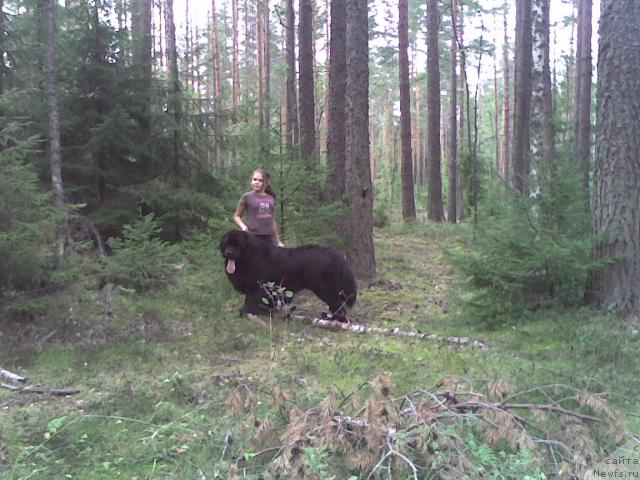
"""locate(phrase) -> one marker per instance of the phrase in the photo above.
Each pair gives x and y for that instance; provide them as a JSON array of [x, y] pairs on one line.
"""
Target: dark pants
[[268, 239]]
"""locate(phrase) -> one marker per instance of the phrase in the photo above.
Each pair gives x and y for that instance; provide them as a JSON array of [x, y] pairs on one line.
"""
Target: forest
[[476, 162]]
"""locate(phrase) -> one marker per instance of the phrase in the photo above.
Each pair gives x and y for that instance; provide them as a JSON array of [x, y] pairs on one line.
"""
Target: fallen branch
[[398, 332], [40, 390], [11, 377]]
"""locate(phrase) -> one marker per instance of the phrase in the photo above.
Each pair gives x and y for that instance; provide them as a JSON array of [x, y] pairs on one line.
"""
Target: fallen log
[[40, 390], [398, 332], [11, 377]]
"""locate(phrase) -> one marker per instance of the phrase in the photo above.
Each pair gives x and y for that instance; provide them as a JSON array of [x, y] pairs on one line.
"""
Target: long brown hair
[[266, 177]]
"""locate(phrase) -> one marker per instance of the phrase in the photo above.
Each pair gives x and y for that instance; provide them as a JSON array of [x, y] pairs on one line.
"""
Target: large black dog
[[323, 270]]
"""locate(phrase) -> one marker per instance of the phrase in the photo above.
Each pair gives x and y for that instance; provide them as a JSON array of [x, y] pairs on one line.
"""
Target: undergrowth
[[175, 385]]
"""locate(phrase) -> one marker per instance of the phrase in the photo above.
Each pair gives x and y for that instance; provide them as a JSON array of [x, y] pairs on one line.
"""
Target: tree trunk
[[506, 110], [522, 95], [360, 249], [417, 152], [617, 172], [174, 104], [217, 88], [460, 187], [266, 68], [435, 208], [336, 109], [50, 73], [3, 66], [582, 145], [541, 102], [453, 119], [236, 64], [292, 98], [406, 166], [305, 85], [260, 65]]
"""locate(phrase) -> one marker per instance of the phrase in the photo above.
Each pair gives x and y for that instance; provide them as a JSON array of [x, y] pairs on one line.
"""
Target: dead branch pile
[[447, 432]]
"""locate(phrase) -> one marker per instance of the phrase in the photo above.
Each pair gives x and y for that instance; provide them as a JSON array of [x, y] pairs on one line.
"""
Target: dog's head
[[233, 247]]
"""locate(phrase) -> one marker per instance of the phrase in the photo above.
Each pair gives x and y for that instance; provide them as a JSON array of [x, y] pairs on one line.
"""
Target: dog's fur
[[323, 270]]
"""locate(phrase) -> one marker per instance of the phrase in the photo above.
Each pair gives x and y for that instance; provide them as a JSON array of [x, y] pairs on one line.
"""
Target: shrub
[[140, 259], [27, 218], [529, 252]]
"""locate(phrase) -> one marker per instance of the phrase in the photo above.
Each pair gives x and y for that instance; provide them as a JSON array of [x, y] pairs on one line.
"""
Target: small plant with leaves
[[277, 298]]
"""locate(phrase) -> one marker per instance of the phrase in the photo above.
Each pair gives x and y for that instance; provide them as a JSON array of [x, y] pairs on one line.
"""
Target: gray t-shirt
[[261, 210]]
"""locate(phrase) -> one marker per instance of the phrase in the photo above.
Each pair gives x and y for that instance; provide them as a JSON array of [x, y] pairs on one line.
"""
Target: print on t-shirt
[[264, 209]]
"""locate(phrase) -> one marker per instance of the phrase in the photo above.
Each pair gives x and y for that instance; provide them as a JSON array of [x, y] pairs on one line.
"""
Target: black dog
[[323, 270]]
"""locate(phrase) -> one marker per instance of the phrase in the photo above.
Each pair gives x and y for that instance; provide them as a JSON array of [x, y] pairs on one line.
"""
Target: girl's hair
[[266, 176]]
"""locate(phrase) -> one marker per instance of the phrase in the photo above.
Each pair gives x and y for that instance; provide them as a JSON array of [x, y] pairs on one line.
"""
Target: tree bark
[[292, 98], [522, 96], [406, 164], [506, 110], [617, 170], [174, 104], [582, 145], [306, 82], [236, 64], [435, 208], [360, 248], [336, 109], [542, 138], [218, 106], [55, 157], [453, 119]]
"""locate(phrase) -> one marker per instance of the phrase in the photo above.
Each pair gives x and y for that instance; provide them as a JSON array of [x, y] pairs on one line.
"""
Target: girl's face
[[257, 183]]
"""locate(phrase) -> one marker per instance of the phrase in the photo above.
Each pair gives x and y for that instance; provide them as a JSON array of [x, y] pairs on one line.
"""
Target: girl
[[260, 206]]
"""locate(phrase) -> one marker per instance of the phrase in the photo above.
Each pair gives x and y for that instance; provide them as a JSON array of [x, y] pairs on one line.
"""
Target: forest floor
[[172, 382]]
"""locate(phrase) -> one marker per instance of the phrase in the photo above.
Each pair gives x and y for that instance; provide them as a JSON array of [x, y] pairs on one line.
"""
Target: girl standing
[[260, 206]]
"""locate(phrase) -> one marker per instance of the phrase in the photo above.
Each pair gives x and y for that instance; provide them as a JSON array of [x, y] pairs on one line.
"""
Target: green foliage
[[528, 252], [27, 218], [380, 215], [140, 260]]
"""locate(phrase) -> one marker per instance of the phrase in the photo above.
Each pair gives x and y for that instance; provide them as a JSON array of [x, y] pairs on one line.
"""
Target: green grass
[[156, 374]]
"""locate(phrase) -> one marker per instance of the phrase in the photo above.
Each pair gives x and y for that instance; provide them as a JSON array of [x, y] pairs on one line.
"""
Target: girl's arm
[[276, 230], [237, 217]]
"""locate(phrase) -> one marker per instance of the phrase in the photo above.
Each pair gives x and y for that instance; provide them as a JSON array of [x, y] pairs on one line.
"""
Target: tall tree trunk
[[249, 46], [418, 151], [292, 98], [582, 145], [406, 166], [305, 85], [542, 140], [506, 110], [336, 109], [175, 105], [188, 61], [260, 65], [266, 66], [522, 95], [50, 73], [3, 66], [158, 35], [617, 172], [464, 100], [435, 208], [360, 248], [218, 106], [452, 213], [496, 103], [236, 64]]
